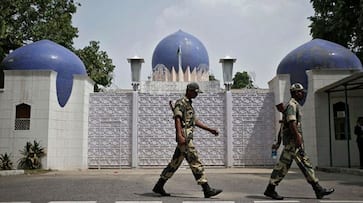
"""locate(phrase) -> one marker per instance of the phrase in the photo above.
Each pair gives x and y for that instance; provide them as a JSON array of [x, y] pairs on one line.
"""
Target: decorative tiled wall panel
[[253, 127], [110, 127], [109, 140], [156, 132], [210, 110]]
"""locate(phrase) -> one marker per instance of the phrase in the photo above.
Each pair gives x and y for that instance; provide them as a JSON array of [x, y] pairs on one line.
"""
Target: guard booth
[[343, 100]]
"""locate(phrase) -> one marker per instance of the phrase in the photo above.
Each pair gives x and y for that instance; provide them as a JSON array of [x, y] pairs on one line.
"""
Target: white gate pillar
[[134, 141], [229, 131], [227, 66], [135, 79]]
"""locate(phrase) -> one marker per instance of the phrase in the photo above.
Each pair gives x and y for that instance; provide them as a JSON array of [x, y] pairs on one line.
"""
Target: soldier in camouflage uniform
[[293, 148], [185, 122]]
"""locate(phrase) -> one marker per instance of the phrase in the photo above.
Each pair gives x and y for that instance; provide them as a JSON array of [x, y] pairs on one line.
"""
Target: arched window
[[22, 120]]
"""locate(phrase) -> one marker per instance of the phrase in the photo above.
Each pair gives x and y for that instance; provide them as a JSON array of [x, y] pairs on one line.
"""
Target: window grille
[[22, 124]]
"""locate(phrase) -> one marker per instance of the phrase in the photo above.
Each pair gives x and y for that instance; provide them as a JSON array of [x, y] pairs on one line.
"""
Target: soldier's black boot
[[159, 187], [270, 192], [210, 192], [320, 192]]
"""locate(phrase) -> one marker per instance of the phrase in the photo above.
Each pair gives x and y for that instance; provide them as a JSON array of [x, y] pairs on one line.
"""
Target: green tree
[[212, 77], [99, 65], [24, 21], [339, 21], [242, 80]]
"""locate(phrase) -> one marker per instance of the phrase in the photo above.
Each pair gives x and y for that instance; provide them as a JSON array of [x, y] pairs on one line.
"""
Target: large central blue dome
[[194, 54]]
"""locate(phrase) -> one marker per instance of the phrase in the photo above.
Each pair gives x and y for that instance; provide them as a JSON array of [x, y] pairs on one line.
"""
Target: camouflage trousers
[[191, 155], [289, 154]]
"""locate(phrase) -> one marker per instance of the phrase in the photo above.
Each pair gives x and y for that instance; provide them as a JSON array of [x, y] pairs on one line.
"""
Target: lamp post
[[135, 71], [227, 66]]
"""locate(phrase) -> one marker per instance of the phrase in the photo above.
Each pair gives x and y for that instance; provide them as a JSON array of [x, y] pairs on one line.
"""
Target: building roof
[[317, 54], [352, 82], [48, 55]]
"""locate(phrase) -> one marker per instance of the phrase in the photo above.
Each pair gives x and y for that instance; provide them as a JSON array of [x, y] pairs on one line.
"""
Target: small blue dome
[[193, 52], [317, 54], [47, 55]]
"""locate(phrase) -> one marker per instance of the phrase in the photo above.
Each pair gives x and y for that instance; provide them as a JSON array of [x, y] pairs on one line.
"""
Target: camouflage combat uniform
[[290, 152], [184, 109]]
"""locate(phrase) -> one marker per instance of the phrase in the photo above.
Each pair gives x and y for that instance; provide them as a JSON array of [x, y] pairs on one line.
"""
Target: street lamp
[[227, 66], [135, 71]]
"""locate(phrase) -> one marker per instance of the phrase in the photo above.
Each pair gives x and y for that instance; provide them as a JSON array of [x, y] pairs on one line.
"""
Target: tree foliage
[[99, 66], [26, 21], [339, 21], [242, 80]]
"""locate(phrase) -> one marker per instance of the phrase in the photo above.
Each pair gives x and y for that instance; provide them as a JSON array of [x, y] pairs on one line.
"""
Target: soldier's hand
[[181, 140], [275, 146], [299, 141], [214, 132]]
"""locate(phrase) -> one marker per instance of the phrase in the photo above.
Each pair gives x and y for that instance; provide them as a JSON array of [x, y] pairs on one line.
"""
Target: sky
[[258, 33]]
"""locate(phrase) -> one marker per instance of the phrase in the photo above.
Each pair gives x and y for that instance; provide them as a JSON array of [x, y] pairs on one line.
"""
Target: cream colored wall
[[69, 128], [62, 131], [279, 85], [32, 88]]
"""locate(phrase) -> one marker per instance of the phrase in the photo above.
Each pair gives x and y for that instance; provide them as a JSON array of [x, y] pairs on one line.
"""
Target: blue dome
[[193, 52], [317, 54], [47, 55]]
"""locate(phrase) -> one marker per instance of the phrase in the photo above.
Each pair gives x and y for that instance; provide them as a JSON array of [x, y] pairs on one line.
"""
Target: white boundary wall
[[116, 142]]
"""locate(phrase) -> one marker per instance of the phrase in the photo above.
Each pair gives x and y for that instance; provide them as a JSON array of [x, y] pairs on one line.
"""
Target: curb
[[351, 171], [11, 172]]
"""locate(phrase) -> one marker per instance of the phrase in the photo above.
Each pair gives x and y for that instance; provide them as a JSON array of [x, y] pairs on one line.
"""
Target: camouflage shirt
[[184, 109], [291, 113]]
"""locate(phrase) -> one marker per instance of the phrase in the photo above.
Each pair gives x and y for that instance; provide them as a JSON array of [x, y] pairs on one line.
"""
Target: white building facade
[[44, 97], [63, 131]]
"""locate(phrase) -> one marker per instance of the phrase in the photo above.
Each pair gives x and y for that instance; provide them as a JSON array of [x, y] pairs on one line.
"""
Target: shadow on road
[[175, 195]]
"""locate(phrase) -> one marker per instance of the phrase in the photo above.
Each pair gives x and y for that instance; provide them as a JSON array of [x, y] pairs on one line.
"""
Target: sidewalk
[[151, 171], [351, 171], [157, 171]]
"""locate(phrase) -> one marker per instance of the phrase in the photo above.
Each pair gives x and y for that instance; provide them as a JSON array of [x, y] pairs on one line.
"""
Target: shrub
[[5, 162], [32, 154]]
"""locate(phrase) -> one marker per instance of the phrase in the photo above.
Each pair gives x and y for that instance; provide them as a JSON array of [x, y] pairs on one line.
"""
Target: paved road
[[109, 186]]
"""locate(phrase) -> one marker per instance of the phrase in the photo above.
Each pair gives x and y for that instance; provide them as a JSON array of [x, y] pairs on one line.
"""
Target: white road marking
[[276, 201], [73, 202], [341, 201], [138, 202], [208, 201], [15, 202]]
